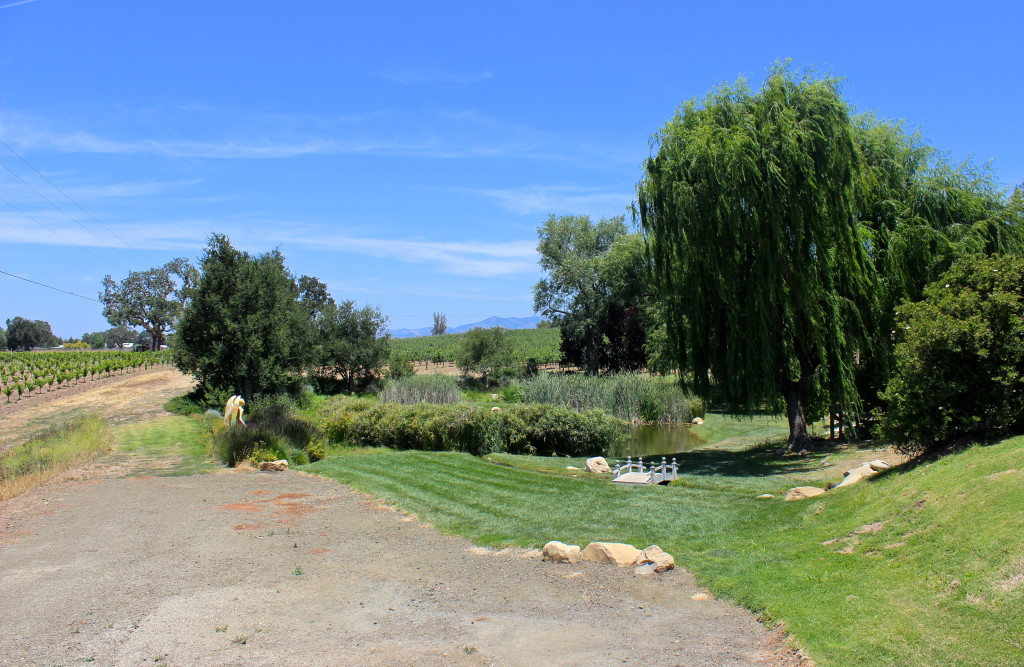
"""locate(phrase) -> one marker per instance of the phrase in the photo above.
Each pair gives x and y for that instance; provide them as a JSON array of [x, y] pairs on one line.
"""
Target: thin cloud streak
[[557, 199], [15, 4]]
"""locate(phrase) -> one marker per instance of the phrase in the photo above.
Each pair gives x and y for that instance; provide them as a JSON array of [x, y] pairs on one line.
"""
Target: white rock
[[697, 421], [622, 555], [597, 465], [765, 496], [801, 492], [879, 465], [558, 552], [663, 562]]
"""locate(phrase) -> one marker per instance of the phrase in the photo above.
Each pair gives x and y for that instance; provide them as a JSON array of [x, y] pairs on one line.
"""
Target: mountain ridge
[[493, 321]]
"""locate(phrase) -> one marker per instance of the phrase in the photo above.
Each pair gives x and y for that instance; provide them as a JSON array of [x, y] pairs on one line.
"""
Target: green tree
[[23, 334], [485, 351], [242, 328], [573, 293], [440, 324], [750, 211], [959, 360], [918, 213], [150, 299], [356, 345]]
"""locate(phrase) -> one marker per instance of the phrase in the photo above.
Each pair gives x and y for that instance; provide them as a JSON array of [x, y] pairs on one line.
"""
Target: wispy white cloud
[[473, 258], [532, 199], [15, 4], [430, 76], [479, 259]]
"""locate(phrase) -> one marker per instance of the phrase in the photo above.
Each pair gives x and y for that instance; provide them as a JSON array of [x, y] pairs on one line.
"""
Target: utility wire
[[68, 197], [51, 287], [57, 206], [55, 232]]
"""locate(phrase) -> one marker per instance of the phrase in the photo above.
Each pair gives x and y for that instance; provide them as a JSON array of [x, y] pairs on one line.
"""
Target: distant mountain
[[507, 322]]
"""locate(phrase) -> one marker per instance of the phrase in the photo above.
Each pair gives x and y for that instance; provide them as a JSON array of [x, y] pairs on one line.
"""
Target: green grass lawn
[[940, 582], [174, 445]]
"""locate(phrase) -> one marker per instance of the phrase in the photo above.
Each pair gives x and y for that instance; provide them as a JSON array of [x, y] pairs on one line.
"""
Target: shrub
[[421, 389], [520, 429], [273, 429], [184, 405], [959, 358]]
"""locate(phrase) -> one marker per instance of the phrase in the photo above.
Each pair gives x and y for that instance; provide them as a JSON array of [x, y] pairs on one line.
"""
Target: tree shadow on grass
[[757, 462]]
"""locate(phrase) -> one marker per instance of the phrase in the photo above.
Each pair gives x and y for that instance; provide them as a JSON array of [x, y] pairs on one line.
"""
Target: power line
[[68, 197], [56, 206], [55, 232], [51, 287]]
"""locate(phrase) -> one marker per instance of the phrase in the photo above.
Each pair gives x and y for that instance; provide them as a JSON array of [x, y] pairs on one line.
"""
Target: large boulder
[[557, 552], [597, 465], [654, 555], [878, 465], [802, 492], [273, 466], [622, 555]]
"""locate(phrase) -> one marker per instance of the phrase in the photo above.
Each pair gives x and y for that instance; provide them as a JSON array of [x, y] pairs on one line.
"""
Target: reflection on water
[[662, 440]]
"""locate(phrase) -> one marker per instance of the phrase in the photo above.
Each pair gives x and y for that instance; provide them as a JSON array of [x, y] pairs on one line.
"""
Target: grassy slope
[[940, 583], [174, 441]]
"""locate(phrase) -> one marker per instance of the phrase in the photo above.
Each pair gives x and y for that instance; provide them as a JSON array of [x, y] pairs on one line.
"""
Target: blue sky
[[405, 152]]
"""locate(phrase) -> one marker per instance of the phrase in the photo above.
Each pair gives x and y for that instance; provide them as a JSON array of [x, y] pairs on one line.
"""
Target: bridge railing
[[662, 472]]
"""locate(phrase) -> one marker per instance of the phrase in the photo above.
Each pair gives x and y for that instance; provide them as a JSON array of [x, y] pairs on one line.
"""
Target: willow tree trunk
[[798, 438]]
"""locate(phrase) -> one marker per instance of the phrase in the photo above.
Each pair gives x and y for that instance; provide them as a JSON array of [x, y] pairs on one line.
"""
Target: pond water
[[662, 440]]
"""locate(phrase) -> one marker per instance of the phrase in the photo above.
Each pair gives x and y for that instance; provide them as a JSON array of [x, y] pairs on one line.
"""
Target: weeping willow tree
[[749, 205], [919, 213]]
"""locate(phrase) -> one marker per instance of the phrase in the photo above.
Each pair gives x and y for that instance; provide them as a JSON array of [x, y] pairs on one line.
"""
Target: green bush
[[513, 393], [517, 429], [959, 358], [184, 405], [273, 428], [629, 396], [421, 389]]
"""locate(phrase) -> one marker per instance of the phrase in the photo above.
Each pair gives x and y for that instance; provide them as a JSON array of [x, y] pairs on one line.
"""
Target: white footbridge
[[636, 472]]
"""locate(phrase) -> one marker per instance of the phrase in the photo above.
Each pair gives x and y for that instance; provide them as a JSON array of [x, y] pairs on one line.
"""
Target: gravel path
[[246, 568]]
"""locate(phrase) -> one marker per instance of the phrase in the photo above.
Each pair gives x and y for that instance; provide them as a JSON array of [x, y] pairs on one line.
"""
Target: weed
[[222, 628], [240, 639], [470, 650], [297, 571]]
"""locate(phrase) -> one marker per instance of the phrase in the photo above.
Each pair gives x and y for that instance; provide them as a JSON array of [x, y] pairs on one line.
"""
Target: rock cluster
[[652, 559], [273, 466], [850, 477]]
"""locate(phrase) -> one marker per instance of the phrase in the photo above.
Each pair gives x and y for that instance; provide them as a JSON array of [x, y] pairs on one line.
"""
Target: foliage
[[26, 466], [486, 351], [919, 213], [77, 345], [749, 207], [150, 299], [440, 324], [355, 346], [593, 290], [399, 366], [242, 327], [273, 430], [959, 362], [25, 334], [24, 372], [628, 396], [541, 344], [421, 389], [460, 427]]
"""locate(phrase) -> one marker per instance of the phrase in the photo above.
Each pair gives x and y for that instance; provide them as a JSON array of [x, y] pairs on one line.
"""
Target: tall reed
[[629, 396], [440, 389]]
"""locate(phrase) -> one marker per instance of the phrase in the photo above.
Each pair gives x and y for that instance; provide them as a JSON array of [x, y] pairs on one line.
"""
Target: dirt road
[[246, 568], [132, 397]]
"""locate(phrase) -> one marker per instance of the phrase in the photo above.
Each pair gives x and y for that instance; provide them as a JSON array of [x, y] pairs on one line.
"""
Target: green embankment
[[927, 567]]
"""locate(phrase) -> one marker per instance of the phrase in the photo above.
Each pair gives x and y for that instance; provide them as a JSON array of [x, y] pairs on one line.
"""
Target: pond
[[662, 440]]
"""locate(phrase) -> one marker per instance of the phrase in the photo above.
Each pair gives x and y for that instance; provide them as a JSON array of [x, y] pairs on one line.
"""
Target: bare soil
[[247, 568]]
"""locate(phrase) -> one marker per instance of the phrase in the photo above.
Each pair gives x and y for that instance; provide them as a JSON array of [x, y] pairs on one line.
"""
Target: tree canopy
[[750, 210], [242, 327], [23, 334], [150, 299]]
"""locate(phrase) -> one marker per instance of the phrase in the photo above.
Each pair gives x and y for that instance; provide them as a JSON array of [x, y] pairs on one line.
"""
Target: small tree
[[959, 359], [355, 344], [440, 324], [150, 299], [485, 351]]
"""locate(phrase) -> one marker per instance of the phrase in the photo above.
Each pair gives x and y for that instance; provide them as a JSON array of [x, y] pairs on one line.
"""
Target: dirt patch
[[121, 571], [122, 398]]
